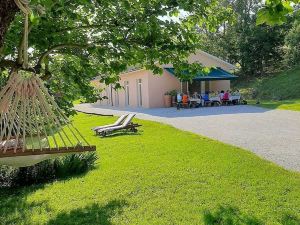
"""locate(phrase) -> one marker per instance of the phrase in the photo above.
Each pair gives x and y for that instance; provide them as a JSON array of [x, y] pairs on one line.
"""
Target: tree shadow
[[290, 220], [15, 209], [94, 214], [229, 216], [14, 200], [119, 134]]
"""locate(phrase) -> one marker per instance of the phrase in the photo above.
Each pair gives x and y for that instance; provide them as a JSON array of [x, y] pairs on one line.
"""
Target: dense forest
[[258, 50]]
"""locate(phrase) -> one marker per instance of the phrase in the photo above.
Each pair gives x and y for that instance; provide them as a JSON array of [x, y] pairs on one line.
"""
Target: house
[[141, 88]]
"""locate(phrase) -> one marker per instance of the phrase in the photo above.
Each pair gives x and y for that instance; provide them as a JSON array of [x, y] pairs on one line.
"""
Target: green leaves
[[275, 11], [114, 35], [34, 19]]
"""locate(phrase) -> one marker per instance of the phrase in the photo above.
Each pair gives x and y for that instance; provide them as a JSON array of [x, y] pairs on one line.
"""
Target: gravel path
[[271, 134]]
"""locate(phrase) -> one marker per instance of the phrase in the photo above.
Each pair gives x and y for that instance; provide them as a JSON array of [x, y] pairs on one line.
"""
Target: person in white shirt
[[221, 95]]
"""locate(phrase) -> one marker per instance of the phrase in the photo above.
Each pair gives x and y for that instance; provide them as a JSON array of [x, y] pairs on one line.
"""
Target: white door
[[116, 98], [126, 86], [139, 92]]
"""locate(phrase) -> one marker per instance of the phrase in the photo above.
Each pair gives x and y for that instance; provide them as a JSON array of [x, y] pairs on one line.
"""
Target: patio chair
[[207, 102], [127, 125], [117, 123], [226, 102]]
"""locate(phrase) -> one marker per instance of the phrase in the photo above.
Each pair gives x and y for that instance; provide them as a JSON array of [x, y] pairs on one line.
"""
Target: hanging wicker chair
[[32, 126]]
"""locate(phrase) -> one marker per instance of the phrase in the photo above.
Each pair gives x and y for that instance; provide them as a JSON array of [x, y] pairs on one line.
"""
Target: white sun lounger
[[117, 123], [126, 125]]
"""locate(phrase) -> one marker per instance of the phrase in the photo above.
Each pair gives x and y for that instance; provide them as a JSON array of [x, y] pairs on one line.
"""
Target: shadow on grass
[[233, 216], [229, 216], [290, 220], [15, 209], [94, 214], [120, 134], [14, 206]]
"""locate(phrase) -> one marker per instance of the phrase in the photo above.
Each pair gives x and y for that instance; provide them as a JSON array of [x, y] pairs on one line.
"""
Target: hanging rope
[[24, 7]]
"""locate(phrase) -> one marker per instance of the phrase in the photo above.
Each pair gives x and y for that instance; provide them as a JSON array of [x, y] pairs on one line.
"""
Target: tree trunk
[[8, 9]]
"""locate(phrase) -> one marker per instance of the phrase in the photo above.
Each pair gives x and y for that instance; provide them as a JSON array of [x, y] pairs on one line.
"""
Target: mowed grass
[[293, 105], [160, 175], [279, 91]]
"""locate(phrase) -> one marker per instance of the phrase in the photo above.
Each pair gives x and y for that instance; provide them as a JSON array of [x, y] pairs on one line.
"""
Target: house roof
[[207, 60], [200, 56], [214, 74]]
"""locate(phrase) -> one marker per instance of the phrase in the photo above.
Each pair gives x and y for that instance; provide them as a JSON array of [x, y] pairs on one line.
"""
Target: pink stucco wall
[[219, 85], [132, 78], [159, 85], [153, 89]]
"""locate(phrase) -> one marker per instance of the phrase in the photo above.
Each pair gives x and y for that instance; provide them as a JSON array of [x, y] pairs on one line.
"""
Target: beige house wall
[[132, 78], [159, 85], [209, 60], [219, 85]]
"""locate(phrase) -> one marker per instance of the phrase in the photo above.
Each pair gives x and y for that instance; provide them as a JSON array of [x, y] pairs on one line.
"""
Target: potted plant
[[167, 99], [173, 94]]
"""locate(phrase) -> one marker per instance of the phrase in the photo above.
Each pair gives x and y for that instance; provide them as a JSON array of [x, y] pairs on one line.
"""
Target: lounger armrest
[[102, 127]]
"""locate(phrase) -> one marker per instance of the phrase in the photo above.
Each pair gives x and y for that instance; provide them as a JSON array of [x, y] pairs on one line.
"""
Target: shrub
[[7, 174], [48, 170], [74, 164]]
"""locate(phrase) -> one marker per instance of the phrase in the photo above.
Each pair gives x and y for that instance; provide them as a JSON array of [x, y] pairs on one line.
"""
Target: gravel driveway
[[271, 134]]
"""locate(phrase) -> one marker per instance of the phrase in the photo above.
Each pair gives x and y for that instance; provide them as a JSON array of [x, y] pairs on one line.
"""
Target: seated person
[[226, 96], [185, 99], [195, 95], [221, 95], [206, 96], [237, 93]]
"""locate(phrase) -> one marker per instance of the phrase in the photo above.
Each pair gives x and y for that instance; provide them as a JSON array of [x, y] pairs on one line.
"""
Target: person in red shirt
[[226, 96]]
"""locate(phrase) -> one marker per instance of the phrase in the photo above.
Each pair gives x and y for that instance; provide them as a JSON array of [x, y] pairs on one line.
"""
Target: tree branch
[[56, 47], [79, 27], [8, 64]]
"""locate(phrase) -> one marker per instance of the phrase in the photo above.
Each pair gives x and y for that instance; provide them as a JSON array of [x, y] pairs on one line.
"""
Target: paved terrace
[[271, 134]]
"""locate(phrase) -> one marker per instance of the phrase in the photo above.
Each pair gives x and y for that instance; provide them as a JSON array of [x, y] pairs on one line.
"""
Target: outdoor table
[[235, 98], [196, 100], [215, 99]]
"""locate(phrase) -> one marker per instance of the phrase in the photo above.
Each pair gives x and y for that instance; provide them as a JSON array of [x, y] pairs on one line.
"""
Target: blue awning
[[214, 74]]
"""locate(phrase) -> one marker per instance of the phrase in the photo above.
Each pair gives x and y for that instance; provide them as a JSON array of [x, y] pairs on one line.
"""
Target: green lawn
[[161, 176], [293, 105], [279, 91]]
